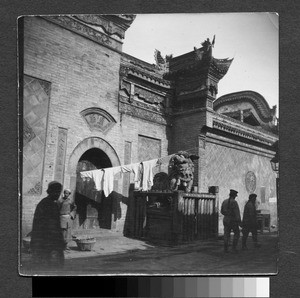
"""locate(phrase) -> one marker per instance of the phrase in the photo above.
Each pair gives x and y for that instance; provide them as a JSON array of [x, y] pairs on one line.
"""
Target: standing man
[[250, 221], [67, 210], [232, 220], [47, 244]]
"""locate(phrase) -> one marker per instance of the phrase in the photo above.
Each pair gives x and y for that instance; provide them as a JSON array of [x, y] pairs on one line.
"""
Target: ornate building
[[88, 105]]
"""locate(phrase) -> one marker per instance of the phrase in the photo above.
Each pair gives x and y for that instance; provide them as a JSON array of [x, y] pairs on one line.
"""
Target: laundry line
[[104, 178]]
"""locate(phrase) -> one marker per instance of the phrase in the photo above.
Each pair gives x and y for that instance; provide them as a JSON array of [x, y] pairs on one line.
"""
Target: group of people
[[52, 222], [232, 221], [51, 228]]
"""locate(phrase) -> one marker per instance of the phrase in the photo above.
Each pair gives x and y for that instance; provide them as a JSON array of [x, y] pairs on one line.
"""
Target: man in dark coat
[[250, 221], [67, 210], [232, 220], [47, 242]]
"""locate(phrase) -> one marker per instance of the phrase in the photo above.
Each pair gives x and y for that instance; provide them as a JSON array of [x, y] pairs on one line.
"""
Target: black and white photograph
[[149, 144]]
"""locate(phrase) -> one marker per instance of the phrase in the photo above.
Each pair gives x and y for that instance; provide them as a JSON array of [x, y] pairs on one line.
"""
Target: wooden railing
[[174, 216]]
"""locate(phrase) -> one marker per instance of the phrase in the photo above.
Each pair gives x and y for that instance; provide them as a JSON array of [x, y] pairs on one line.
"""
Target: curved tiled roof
[[258, 101], [222, 65]]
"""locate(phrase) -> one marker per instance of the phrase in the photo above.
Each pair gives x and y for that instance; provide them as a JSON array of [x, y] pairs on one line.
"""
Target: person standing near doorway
[[232, 220], [67, 210], [250, 222], [47, 244]]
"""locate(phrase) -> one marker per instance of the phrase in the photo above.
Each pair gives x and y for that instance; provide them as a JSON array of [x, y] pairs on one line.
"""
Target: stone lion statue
[[181, 171]]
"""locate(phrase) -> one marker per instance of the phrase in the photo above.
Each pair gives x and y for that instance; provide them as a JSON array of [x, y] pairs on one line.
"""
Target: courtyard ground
[[114, 254]]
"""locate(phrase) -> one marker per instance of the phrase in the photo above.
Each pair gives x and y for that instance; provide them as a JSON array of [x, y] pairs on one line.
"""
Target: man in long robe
[[232, 220], [250, 222], [47, 242]]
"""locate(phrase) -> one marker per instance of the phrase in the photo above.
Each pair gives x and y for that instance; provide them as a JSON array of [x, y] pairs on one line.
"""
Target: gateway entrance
[[94, 210]]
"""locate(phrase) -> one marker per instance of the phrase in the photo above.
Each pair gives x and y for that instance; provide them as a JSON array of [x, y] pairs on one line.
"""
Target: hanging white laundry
[[135, 168], [96, 175], [108, 179], [148, 173], [165, 160]]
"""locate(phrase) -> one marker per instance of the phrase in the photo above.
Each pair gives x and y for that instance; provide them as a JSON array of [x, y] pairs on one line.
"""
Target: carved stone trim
[[142, 113], [140, 103], [117, 27], [60, 160], [232, 129], [213, 138], [98, 119], [76, 26], [126, 70]]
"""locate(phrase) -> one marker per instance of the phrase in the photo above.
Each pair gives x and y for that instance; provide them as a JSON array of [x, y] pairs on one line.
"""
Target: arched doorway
[[94, 210]]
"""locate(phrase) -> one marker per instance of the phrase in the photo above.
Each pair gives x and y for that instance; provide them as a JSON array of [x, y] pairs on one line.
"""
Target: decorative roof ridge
[[228, 121], [257, 99], [120, 25], [140, 72], [222, 65], [139, 61]]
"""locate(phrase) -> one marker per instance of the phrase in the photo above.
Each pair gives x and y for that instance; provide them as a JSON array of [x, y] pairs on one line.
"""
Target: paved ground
[[114, 254]]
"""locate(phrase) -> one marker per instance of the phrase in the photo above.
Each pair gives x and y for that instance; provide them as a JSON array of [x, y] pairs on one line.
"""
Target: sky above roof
[[252, 39]]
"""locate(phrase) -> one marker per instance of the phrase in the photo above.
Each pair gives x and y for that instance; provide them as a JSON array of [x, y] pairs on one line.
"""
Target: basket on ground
[[85, 244]]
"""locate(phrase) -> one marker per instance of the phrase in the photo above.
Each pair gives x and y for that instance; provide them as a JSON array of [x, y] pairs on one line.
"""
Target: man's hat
[[233, 192], [54, 187], [252, 196]]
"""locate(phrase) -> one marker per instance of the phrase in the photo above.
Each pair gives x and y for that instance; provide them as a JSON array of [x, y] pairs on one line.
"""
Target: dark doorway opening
[[94, 210]]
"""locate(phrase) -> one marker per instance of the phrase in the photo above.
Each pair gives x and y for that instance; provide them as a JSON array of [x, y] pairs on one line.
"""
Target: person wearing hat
[[47, 244], [249, 223], [232, 220], [67, 210]]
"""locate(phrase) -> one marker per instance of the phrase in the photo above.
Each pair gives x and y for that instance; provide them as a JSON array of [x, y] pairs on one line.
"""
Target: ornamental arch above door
[[85, 145], [93, 209]]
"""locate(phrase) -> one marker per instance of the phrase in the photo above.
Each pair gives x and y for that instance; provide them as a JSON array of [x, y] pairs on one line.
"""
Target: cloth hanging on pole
[[104, 178], [108, 179], [135, 168], [96, 175], [148, 173]]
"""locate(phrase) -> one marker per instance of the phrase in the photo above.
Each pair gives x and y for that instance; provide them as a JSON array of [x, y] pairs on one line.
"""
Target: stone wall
[[227, 167]]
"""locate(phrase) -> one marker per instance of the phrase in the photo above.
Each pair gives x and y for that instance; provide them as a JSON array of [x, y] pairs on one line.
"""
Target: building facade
[[87, 105]]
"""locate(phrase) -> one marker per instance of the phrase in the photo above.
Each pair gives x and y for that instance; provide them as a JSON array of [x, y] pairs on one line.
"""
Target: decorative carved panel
[[75, 25], [98, 119], [60, 155], [148, 96], [28, 133], [142, 113], [250, 182], [36, 97]]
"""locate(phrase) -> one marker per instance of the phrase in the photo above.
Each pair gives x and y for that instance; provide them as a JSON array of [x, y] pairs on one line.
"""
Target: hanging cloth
[[96, 175], [108, 179], [148, 173], [165, 160], [135, 168]]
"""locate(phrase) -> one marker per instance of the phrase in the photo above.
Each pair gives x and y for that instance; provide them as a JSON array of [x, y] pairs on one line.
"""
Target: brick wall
[[83, 74], [186, 129]]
